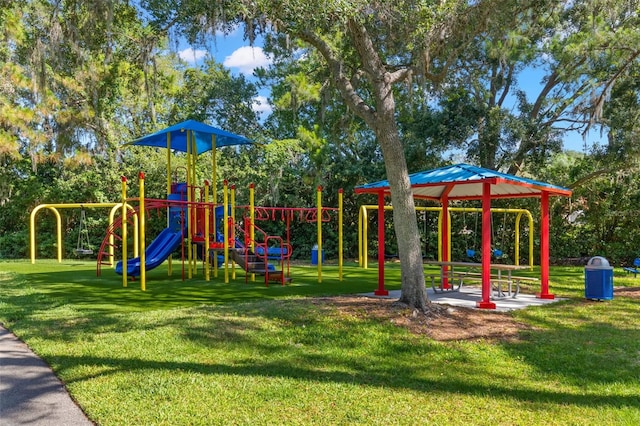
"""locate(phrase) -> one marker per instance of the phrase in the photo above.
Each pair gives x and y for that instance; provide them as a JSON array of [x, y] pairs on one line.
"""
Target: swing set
[[83, 246], [498, 252]]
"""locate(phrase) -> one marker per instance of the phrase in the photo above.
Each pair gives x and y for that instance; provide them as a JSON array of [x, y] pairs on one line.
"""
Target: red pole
[[544, 249], [381, 290], [289, 215], [486, 302], [445, 240]]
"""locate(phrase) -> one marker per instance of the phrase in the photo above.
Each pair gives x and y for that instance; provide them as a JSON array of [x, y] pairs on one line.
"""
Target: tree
[[576, 51], [369, 48]]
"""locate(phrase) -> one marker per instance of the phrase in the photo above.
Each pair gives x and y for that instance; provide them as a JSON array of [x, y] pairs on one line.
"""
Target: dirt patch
[[633, 292], [442, 322]]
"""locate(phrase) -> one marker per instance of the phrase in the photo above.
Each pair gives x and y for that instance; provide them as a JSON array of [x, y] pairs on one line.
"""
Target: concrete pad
[[468, 296]]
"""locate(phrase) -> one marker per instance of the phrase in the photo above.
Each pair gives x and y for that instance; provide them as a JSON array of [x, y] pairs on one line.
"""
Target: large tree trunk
[[382, 119], [405, 222]]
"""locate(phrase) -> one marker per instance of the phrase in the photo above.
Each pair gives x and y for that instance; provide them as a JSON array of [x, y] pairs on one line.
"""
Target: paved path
[[30, 394]]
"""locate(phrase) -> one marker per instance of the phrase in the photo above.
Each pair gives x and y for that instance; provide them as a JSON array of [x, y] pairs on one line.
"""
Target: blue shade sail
[[203, 135]]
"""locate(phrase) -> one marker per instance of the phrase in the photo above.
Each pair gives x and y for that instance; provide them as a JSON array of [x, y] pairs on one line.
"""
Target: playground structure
[[194, 219], [195, 224], [363, 220]]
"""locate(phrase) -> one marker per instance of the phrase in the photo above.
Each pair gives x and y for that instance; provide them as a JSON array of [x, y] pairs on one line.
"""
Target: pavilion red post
[[445, 238], [544, 248], [486, 302], [381, 290]]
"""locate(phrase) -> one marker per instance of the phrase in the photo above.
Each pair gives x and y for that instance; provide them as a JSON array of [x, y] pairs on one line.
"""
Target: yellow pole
[[449, 234], [214, 198], [530, 242], [526, 212], [214, 177], [517, 242], [361, 212], [233, 221], [319, 225], [112, 215], [194, 158], [124, 232], [168, 163], [143, 266], [225, 228], [340, 242], [205, 249], [439, 239], [170, 259], [252, 218], [32, 230], [189, 208], [365, 242]]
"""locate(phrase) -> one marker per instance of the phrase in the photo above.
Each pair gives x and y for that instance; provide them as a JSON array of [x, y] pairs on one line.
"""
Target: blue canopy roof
[[463, 181], [203, 136]]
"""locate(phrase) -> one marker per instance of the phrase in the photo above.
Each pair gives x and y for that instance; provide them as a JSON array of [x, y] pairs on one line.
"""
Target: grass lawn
[[207, 353]]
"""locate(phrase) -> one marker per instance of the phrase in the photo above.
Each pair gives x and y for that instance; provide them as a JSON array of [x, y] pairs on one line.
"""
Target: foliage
[[77, 79]]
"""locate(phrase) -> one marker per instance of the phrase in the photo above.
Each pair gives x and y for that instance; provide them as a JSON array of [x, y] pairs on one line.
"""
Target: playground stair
[[254, 264]]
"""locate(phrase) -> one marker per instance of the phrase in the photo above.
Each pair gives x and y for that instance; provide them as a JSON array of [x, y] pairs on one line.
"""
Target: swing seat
[[496, 253], [82, 248]]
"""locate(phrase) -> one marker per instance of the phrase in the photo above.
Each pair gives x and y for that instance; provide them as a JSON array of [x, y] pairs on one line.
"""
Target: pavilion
[[466, 182]]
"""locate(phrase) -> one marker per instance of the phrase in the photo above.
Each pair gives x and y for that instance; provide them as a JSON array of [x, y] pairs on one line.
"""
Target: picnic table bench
[[450, 272]]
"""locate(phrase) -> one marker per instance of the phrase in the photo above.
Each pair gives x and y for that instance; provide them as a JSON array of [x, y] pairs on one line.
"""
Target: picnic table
[[472, 271]]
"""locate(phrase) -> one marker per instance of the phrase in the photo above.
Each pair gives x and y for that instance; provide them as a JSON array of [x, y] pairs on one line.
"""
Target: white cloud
[[246, 59], [192, 56], [261, 104]]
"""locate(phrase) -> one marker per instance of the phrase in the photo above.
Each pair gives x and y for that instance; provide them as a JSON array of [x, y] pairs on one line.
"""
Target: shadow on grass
[[575, 352], [367, 375], [584, 342], [577, 343]]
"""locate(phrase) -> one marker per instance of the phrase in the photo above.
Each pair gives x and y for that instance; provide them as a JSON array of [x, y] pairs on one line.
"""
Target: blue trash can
[[598, 279], [314, 255]]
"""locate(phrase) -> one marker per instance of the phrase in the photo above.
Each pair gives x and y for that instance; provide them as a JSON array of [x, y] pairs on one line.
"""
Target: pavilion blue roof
[[203, 135], [464, 181]]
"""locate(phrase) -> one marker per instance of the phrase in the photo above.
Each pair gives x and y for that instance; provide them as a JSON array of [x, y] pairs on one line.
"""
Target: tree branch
[[342, 81], [591, 176]]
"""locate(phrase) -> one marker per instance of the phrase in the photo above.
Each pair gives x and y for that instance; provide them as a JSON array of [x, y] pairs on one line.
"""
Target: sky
[[239, 57]]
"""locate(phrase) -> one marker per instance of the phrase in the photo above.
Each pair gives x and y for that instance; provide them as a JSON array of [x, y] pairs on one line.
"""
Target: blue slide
[[156, 253]]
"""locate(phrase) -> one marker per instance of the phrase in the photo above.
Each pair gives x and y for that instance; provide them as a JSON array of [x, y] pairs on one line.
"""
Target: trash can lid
[[597, 262]]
